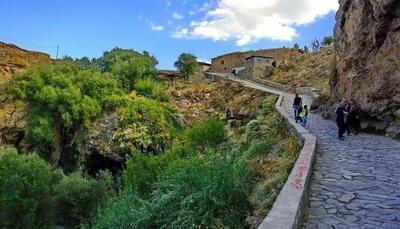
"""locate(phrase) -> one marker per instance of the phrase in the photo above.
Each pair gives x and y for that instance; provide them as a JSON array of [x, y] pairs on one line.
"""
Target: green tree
[[25, 191], [328, 40], [306, 49], [77, 196], [296, 46], [63, 99], [186, 65], [128, 66]]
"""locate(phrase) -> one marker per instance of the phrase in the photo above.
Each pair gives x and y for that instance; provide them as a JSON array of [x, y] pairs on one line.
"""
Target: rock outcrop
[[367, 35], [12, 122], [15, 60]]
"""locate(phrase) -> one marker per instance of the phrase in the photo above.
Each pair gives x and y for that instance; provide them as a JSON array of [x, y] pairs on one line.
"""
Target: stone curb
[[288, 208]]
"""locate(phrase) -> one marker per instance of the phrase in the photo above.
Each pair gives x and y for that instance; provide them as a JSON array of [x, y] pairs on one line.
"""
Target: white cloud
[[155, 27], [168, 2], [252, 20], [177, 15]]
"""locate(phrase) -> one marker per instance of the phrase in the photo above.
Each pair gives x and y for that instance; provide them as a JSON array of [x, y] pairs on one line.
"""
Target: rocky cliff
[[14, 60], [367, 37], [13, 115]]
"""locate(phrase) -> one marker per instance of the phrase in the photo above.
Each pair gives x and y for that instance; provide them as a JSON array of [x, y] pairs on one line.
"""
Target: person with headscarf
[[340, 118]]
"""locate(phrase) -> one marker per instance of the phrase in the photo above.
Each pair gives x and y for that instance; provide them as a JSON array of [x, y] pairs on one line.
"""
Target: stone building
[[228, 62], [203, 66], [258, 67]]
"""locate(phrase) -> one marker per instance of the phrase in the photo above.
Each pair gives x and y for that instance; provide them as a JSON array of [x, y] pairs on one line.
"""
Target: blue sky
[[165, 28]]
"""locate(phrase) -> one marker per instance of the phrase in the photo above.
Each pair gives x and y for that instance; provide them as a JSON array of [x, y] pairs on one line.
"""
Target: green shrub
[[201, 193], [256, 129], [265, 193], [127, 210], [77, 196], [207, 134], [25, 191], [143, 170], [145, 125], [397, 136], [41, 125], [151, 89], [258, 147]]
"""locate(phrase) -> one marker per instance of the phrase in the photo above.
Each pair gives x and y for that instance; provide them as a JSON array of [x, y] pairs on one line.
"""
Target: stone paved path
[[356, 182]]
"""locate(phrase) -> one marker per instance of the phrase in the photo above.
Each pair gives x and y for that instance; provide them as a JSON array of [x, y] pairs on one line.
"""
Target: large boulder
[[367, 37]]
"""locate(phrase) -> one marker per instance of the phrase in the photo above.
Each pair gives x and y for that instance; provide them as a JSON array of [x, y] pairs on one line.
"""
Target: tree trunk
[[56, 147]]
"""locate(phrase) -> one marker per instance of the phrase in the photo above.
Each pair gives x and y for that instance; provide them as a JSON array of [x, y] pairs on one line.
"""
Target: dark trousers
[[342, 129]]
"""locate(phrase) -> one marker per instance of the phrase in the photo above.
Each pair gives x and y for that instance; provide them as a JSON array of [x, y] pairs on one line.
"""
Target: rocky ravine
[[367, 37]]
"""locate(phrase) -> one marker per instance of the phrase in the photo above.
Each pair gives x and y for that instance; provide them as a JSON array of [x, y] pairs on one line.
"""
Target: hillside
[[14, 60], [308, 70]]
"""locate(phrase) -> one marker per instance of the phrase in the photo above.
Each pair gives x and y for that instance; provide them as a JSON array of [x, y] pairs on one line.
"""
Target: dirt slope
[[313, 70], [14, 60]]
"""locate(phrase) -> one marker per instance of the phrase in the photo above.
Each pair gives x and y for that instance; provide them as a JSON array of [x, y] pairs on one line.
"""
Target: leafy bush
[[328, 40], [203, 193], [256, 129], [41, 125], [129, 66], [127, 210], [145, 125], [25, 191], [206, 191], [143, 170], [258, 147], [77, 196], [397, 136], [62, 98], [151, 89], [209, 133], [265, 193]]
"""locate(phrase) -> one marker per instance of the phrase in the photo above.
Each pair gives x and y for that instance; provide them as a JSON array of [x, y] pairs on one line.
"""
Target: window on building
[[222, 62]]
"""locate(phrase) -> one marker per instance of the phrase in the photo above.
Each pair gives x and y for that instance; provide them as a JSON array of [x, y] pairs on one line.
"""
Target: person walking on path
[[297, 104], [304, 116], [354, 117], [340, 116], [346, 116]]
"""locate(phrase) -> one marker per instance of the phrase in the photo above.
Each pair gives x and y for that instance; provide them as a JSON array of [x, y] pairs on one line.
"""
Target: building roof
[[228, 54], [264, 57]]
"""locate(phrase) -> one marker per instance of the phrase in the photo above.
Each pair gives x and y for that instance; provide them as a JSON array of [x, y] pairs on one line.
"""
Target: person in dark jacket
[[297, 105], [354, 117], [340, 116]]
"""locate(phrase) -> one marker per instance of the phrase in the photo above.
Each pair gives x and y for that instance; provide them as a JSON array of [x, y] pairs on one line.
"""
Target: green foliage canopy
[[129, 66], [328, 40], [186, 65]]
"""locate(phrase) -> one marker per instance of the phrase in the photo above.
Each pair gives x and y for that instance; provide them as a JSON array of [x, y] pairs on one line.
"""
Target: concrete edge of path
[[289, 206]]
